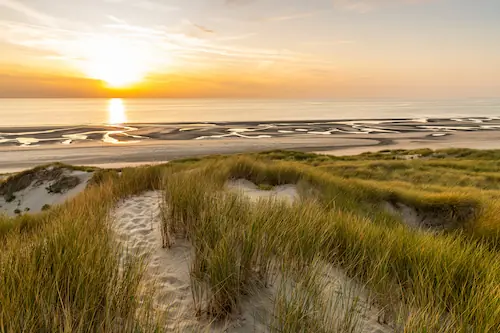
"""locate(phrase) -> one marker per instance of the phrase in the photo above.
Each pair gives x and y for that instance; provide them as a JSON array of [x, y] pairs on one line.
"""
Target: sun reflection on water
[[116, 111]]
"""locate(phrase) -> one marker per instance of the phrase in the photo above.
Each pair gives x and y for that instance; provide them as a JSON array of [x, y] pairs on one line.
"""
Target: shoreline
[[135, 133], [15, 158]]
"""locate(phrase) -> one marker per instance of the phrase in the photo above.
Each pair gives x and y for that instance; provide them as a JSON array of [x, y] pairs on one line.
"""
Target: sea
[[68, 112]]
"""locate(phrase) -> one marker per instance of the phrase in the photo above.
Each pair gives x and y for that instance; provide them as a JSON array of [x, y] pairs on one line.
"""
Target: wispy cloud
[[184, 47], [204, 29], [29, 12], [116, 19], [156, 42]]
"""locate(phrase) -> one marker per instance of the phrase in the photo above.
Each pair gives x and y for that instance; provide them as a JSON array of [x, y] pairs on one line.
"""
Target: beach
[[134, 144], [241, 166], [240, 244]]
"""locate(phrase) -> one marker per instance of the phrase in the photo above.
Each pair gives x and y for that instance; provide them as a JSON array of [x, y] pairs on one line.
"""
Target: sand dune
[[42, 193], [137, 224]]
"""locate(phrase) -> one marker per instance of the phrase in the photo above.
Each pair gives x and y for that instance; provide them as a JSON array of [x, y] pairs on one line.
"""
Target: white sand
[[35, 196], [283, 192], [352, 295], [137, 223]]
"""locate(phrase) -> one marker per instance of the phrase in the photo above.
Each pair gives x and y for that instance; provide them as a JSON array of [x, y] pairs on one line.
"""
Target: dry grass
[[59, 270], [451, 278]]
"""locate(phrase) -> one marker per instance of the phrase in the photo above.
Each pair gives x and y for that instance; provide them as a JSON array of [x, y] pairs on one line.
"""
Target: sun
[[116, 63]]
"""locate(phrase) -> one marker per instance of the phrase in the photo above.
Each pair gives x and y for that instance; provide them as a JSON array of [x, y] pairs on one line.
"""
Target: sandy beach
[[269, 216], [135, 144]]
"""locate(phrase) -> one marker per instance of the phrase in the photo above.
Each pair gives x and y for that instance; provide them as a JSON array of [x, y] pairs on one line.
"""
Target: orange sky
[[231, 48]]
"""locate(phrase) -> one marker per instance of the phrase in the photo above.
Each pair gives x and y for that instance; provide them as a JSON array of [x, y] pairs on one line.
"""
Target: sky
[[250, 48]]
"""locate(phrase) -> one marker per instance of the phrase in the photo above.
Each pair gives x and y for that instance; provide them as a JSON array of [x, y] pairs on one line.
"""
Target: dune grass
[[60, 270], [450, 278], [469, 206]]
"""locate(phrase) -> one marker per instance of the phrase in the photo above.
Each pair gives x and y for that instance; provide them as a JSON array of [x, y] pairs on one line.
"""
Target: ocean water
[[40, 112]]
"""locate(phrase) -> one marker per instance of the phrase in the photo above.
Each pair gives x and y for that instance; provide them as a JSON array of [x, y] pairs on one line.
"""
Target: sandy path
[[137, 225]]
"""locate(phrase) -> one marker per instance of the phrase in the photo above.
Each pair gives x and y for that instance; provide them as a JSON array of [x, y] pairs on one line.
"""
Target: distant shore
[[132, 144]]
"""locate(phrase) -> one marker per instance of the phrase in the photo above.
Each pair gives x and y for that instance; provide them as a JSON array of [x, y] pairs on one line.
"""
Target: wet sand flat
[[133, 133], [156, 143]]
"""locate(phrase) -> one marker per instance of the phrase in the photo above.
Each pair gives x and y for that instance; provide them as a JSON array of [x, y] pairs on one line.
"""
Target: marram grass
[[60, 270]]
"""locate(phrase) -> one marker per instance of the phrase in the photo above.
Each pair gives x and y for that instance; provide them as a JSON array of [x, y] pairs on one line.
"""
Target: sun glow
[[116, 111], [115, 62]]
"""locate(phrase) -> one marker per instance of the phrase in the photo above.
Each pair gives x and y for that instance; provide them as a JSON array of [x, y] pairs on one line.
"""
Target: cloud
[[186, 47], [204, 29], [116, 19], [29, 12], [364, 6]]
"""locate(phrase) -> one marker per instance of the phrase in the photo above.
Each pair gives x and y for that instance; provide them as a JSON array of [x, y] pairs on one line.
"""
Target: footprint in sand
[[137, 220], [138, 226]]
